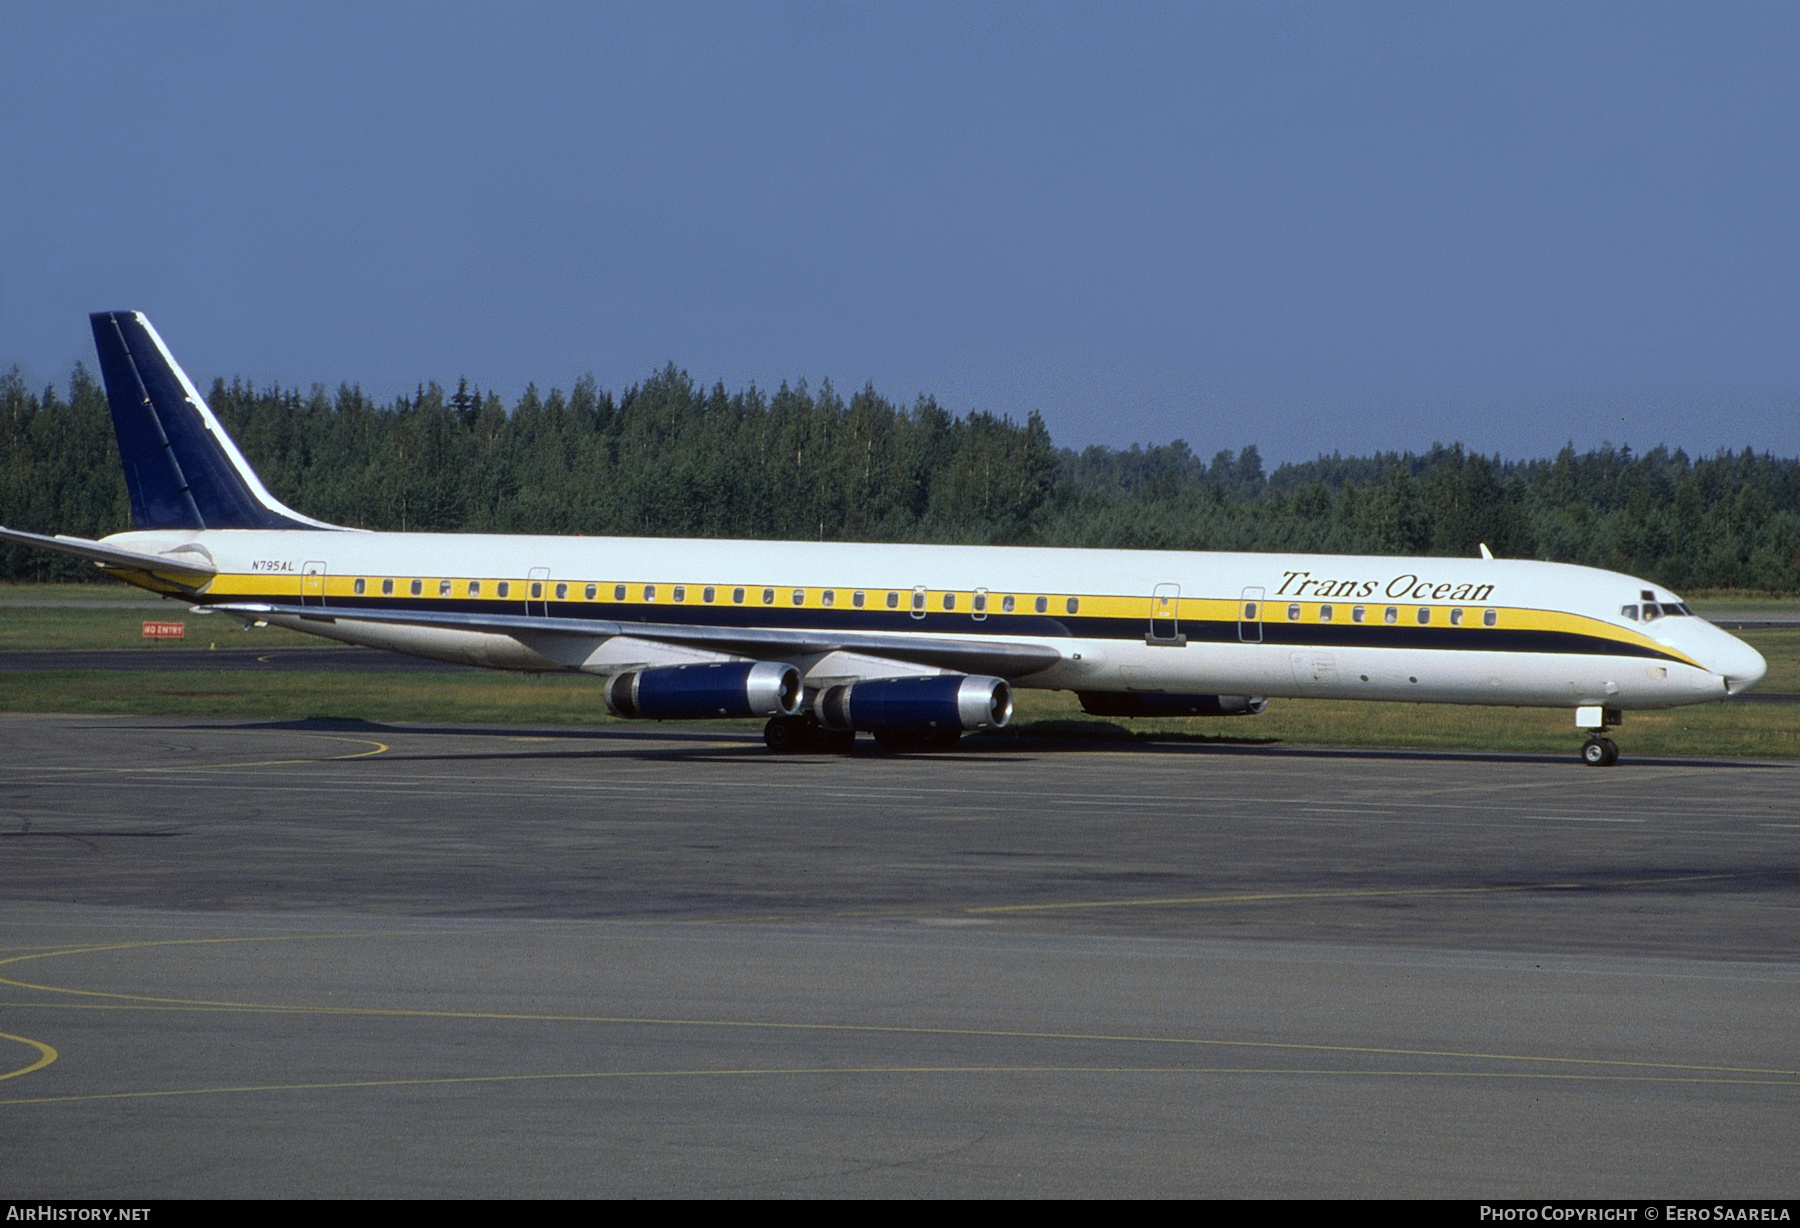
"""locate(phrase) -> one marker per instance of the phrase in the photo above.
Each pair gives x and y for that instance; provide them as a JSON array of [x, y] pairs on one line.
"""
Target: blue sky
[[1314, 228]]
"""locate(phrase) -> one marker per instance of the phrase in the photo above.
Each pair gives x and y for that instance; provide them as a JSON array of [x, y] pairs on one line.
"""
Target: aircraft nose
[[1741, 665]]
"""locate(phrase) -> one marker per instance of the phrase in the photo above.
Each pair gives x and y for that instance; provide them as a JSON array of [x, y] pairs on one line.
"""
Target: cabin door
[[312, 584], [537, 593], [1165, 623], [1250, 612]]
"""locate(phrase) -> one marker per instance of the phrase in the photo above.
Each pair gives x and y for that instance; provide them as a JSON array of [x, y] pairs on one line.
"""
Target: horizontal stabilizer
[[969, 656], [181, 468], [190, 571]]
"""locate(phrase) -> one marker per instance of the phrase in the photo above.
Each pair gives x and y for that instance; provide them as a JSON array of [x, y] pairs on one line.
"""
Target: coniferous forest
[[671, 458]]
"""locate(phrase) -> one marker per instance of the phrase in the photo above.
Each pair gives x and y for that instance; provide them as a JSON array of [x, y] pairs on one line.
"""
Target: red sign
[[164, 631]]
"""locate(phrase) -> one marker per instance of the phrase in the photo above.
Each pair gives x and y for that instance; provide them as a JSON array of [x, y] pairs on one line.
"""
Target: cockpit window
[[1651, 612], [1629, 611]]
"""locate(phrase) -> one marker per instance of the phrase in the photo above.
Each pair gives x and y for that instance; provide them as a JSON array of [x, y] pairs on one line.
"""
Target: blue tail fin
[[181, 467]]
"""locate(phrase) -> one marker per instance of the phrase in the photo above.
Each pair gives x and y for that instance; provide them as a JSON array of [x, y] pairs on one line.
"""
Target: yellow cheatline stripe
[[1092, 605], [840, 1071], [46, 1055], [381, 748], [1348, 893], [146, 1002]]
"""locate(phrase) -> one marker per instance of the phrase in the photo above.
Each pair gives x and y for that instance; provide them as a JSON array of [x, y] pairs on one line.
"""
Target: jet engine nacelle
[[947, 701], [1151, 703], [693, 692]]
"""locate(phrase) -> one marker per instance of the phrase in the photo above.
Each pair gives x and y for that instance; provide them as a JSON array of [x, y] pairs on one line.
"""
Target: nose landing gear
[[1600, 750]]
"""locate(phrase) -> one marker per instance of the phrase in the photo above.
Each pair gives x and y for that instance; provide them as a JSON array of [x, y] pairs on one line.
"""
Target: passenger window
[[828, 597], [1249, 611], [799, 596], [1358, 613], [475, 588], [980, 603], [1392, 615], [1042, 605], [737, 596], [893, 601], [387, 588], [1629, 611], [357, 587], [537, 590], [562, 592], [649, 592], [1424, 615], [856, 599], [500, 590], [768, 596], [1490, 617], [418, 586], [708, 593], [1073, 605], [1293, 613], [949, 601], [443, 588], [681, 592], [1456, 618], [1324, 613], [1006, 604], [593, 591], [618, 592], [919, 599]]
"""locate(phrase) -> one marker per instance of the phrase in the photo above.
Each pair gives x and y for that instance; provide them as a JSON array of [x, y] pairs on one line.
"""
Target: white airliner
[[914, 644]]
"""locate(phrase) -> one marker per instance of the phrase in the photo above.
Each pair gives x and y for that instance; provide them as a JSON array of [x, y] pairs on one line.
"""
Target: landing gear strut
[[1600, 750]]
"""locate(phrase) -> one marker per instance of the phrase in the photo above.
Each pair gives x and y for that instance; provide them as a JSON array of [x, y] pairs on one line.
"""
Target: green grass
[[101, 590], [58, 626], [1781, 649], [1742, 599], [62, 628], [484, 697]]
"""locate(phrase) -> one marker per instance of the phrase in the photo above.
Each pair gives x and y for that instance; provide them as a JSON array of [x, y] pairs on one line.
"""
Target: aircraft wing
[[185, 571], [1002, 659]]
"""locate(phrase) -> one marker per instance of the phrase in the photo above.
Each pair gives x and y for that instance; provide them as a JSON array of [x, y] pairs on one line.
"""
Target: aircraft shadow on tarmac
[[612, 742]]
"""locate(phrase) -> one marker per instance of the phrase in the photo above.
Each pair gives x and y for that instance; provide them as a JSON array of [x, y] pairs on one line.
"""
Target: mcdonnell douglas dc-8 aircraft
[[914, 644]]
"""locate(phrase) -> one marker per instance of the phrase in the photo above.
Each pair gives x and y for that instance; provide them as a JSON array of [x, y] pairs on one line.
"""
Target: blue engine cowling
[[947, 701], [1151, 703], [693, 692]]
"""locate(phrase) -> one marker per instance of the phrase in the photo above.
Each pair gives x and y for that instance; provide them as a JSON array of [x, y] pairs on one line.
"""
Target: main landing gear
[[797, 735], [804, 735], [1599, 750]]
